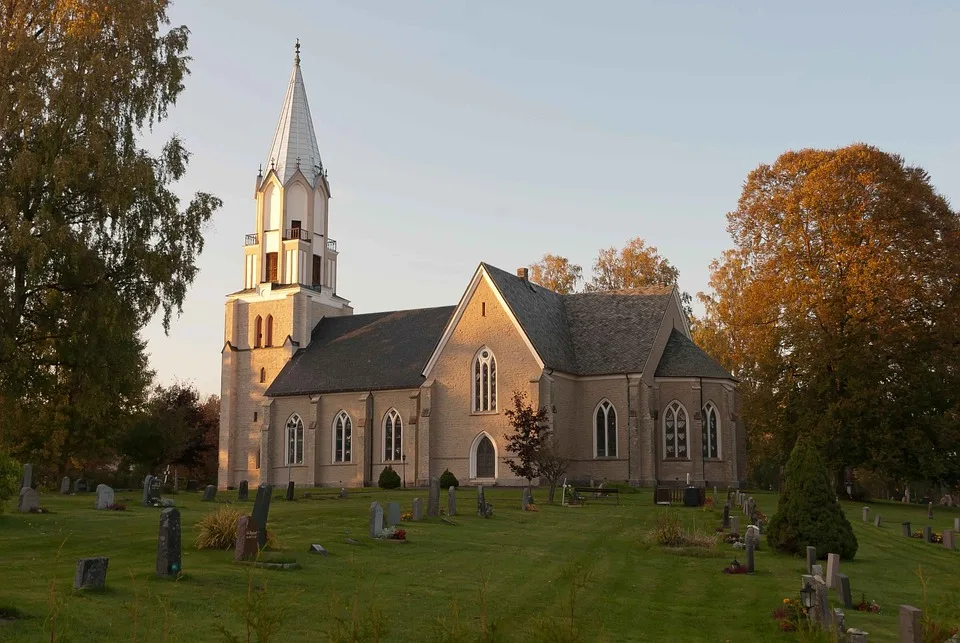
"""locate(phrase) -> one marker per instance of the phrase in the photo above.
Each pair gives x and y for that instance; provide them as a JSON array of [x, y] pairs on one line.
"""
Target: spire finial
[[296, 48]]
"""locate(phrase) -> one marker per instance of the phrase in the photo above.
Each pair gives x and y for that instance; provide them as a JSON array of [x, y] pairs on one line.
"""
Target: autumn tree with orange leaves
[[837, 308]]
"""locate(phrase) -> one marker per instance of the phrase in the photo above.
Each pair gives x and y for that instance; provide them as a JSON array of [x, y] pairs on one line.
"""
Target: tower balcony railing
[[296, 233], [251, 239], [332, 245]]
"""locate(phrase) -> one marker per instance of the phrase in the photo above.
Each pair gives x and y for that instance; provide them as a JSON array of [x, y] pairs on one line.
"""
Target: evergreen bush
[[389, 479], [808, 514], [448, 480]]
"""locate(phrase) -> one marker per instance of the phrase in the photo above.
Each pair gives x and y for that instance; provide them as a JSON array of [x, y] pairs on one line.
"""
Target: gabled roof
[[295, 142], [682, 358], [368, 352]]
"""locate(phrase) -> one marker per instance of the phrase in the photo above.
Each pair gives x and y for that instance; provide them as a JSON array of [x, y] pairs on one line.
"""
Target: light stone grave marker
[[833, 567], [29, 500], [393, 514], [417, 509], [452, 501], [911, 624], [376, 519], [104, 496], [433, 500], [65, 485]]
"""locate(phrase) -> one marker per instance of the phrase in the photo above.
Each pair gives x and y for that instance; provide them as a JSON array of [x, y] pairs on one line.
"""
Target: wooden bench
[[597, 492]]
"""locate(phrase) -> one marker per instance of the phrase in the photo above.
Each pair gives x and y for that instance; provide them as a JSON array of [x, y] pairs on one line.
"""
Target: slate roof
[[368, 352], [682, 358]]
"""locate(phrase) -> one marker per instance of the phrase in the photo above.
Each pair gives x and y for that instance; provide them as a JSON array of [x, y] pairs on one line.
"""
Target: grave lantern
[[807, 595]]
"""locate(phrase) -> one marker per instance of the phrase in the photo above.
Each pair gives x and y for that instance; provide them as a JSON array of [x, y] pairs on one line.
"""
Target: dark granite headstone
[[726, 516], [291, 487], [209, 493], [843, 583], [261, 508], [244, 492], [433, 500], [246, 546], [168, 543], [927, 534], [877, 520], [318, 549], [80, 486], [91, 573], [151, 491], [750, 555], [905, 526]]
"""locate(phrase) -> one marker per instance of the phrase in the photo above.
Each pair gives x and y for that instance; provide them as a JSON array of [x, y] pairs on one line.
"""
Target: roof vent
[[523, 273]]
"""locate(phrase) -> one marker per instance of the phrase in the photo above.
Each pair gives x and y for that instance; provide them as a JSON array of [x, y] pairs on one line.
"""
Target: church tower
[[289, 285]]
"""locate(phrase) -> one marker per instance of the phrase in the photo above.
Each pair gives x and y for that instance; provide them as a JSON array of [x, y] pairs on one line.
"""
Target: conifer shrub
[[808, 514], [448, 480], [389, 479]]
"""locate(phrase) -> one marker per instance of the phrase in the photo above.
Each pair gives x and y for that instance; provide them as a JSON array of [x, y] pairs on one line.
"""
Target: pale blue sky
[[497, 131]]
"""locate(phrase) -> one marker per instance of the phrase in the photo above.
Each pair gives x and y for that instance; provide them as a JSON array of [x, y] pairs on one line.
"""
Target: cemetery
[[331, 571]]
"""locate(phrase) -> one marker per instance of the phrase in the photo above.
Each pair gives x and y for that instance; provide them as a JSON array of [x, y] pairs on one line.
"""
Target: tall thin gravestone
[[376, 519], [261, 509], [911, 624], [877, 520], [243, 493], [927, 534], [417, 509], [956, 524], [811, 559], [843, 586], [393, 514], [146, 491], [168, 543], [433, 500], [833, 568], [866, 514], [452, 501], [27, 480], [291, 490], [905, 526], [750, 556], [726, 516], [715, 497], [735, 525], [930, 510], [65, 485], [822, 607]]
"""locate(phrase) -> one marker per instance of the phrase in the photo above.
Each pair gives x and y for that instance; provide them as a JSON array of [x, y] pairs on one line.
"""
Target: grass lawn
[[530, 563]]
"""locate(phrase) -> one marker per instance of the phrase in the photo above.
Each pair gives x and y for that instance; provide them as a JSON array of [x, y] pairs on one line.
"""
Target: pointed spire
[[295, 137]]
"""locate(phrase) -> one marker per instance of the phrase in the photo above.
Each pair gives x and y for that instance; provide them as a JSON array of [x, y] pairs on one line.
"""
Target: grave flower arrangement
[[392, 533], [736, 567], [532, 507], [935, 537], [790, 615], [406, 515], [117, 506], [868, 606]]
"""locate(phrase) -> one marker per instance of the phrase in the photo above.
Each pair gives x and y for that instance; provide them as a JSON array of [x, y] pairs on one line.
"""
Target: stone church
[[316, 394]]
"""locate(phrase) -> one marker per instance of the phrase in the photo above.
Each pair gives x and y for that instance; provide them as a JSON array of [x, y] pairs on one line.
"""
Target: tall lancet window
[[342, 432], [605, 430], [294, 440], [711, 431], [392, 436], [675, 431], [258, 332], [484, 381], [268, 336]]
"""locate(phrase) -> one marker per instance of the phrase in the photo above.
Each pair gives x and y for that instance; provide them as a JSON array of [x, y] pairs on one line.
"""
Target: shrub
[[808, 513], [9, 478], [448, 480], [668, 530], [218, 529], [389, 479]]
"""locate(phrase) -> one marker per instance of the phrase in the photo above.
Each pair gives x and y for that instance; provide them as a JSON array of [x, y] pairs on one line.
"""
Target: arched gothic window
[[484, 459], [484, 381], [711, 431], [294, 440], [342, 431], [263, 375], [605, 430], [392, 436], [268, 339], [258, 332], [675, 431]]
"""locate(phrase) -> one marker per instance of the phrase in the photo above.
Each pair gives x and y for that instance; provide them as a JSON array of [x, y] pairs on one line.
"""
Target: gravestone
[[750, 556], [833, 568], [193, 485], [247, 544], [291, 490], [343, 493], [104, 496], [956, 524], [811, 559], [905, 527], [726, 516], [483, 509], [80, 486], [949, 539], [168, 543], [27, 479], [29, 500], [735, 525], [930, 510], [376, 519], [166, 502], [65, 485], [806, 579], [91, 573], [911, 624], [393, 514], [817, 570], [209, 493], [823, 614], [318, 549], [417, 509], [452, 501], [716, 500], [148, 491], [877, 521], [866, 514], [433, 500], [843, 586], [856, 636], [261, 508], [752, 536], [927, 534], [525, 499], [243, 493]]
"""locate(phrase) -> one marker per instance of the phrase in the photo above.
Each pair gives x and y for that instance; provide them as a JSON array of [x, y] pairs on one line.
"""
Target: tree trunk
[[553, 489]]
